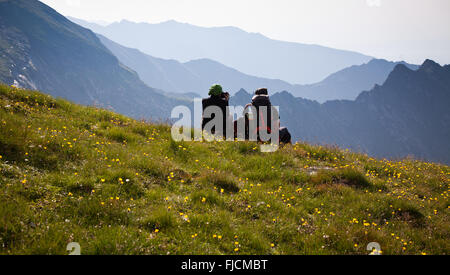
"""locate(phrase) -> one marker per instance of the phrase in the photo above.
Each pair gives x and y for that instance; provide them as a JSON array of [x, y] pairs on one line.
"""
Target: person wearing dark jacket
[[264, 121], [220, 99], [263, 115]]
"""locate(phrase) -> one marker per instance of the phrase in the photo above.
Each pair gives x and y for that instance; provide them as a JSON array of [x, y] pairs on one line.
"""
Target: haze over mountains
[[349, 82], [408, 115], [250, 53], [197, 76], [41, 49]]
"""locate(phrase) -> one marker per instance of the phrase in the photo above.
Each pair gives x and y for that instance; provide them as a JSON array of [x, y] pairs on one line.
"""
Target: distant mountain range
[[41, 49], [197, 76], [193, 77], [408, 115], [250, 53]]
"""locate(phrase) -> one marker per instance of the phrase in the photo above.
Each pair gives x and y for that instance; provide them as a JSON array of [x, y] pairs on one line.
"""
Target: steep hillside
[[407, 115], [250, 53], [41, 49], [120, 186]]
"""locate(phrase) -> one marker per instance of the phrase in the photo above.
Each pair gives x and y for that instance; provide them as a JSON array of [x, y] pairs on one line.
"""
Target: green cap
[[215, 90]]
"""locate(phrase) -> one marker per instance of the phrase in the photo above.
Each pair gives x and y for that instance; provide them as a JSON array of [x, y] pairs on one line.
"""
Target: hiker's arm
[[248, 105], [227, 96]]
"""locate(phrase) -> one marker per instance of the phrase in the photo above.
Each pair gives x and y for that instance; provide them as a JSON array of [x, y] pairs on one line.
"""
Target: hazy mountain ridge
[[197, 76], [349, 82], [250, 53], [194, 76]]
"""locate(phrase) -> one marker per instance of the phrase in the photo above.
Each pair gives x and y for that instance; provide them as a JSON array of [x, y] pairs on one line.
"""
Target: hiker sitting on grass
[[265, 115], [215, 106]]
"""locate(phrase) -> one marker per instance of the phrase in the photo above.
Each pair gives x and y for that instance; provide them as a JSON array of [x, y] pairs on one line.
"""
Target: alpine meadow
[[122, 186], [307, 128]]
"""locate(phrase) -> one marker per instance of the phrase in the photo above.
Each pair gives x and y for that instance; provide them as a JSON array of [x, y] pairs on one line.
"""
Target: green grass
[[70, 173]]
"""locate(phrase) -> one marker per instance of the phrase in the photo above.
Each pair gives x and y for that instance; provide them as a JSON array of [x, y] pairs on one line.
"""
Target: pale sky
[[410, 30]]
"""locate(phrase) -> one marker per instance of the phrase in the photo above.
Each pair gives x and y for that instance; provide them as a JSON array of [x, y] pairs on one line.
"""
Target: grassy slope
[[116, 185]]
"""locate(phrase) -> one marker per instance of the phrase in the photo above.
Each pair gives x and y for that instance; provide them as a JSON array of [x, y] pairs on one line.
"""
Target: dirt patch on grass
[[221, 181], [347, 176], [411, 216]]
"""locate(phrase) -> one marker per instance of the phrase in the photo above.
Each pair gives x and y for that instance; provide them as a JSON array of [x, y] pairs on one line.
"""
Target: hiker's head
[[215, 90], [261, 91]]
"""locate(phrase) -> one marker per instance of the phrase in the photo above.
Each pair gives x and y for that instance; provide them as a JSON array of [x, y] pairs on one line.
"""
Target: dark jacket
[[263, 100], [222, 103]]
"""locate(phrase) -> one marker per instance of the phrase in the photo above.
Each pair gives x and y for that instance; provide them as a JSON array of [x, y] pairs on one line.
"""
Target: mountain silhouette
[[197, 76], [250, 53], [349, 82], [41, 49]]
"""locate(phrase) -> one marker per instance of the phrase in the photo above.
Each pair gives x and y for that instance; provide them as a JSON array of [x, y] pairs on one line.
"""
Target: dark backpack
[[222, 104], [285, 136]]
